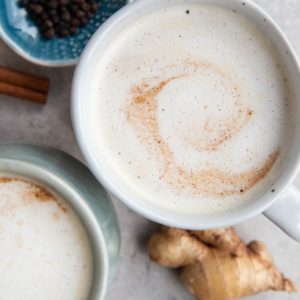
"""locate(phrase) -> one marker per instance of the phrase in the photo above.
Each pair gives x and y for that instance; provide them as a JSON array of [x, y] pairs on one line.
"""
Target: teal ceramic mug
[[71, 180]]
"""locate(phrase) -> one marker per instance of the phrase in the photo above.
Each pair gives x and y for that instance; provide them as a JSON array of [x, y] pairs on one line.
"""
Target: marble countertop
[[137, 277]]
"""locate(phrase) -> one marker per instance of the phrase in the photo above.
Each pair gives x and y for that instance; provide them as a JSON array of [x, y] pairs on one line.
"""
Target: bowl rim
[[38, 61]]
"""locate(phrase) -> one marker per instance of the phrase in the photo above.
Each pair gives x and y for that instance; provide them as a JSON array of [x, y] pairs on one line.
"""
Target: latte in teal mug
[[59, 232]]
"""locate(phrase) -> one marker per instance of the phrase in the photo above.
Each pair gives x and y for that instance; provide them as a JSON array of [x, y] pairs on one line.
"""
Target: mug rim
[[28, 168], [229, 218]]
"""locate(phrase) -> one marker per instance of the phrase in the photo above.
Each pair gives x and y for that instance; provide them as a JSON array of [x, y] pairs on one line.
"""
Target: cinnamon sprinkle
[[141, 112], [33, 192]]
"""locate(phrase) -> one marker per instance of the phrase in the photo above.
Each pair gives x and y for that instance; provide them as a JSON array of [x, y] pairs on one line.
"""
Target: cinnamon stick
[[21, 79], [21, 92]]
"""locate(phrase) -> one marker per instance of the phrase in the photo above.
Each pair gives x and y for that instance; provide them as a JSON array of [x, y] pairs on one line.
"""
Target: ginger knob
[[217, 264]]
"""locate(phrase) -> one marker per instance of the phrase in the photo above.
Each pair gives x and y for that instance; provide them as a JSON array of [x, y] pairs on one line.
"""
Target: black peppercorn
[[75, 23], [73, 30], [52, 12], [50, 33], [52, 4], [63, 2], [59, 17], [84, 21], [73, 8], [94, 7], [47, 24], [55, 19], [36, 8], [63, 32], [85, 7], [66, 16], [80, 14], [42, 16]]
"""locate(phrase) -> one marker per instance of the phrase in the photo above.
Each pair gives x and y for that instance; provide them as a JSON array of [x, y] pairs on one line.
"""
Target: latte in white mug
[[45, 250], [189, 108]]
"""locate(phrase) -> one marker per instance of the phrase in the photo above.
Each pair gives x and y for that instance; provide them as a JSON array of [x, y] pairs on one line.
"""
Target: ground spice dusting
[[32, 192], [40, 194], [141, 112], [5, 179]]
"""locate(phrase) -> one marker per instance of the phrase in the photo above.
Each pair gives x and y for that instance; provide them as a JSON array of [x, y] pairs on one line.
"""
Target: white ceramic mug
[[281, 204]]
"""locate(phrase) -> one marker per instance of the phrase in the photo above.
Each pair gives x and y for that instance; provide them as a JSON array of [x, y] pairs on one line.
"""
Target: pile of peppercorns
[[60, 17]]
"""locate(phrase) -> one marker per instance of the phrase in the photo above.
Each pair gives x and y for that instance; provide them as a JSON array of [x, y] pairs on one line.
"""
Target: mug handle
[[285, 212]]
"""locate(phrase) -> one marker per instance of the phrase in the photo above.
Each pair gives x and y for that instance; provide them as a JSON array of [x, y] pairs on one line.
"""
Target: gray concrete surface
[[138, 278]]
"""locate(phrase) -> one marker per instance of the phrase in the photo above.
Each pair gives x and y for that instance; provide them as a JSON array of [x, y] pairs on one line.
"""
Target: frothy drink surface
[[188, 109], [45, 252]]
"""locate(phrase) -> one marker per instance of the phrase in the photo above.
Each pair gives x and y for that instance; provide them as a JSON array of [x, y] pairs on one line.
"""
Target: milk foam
[[188, 108], [45, 252]]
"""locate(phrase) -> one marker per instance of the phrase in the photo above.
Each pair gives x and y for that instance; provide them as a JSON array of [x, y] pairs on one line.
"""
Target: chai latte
[[188, 109], [45, 251]]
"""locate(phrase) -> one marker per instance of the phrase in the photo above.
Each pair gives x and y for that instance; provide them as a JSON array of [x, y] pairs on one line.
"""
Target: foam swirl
[[210, 135]]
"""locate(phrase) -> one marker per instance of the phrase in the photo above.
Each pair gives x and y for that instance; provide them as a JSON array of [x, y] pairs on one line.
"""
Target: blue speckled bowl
[[20, 33]]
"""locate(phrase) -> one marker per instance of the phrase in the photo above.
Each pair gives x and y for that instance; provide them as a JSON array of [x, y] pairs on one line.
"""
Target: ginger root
[[217, 264]]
